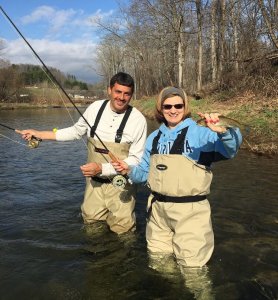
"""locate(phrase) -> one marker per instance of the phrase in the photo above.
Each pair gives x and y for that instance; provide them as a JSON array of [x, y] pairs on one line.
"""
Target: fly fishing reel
[[119, 181], [34, 142]]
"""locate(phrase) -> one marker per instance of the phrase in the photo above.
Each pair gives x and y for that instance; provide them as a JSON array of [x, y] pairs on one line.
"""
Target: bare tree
[[110, 55], [270, 16], [213, 43], [235, 11], [10, 84], [194, 44], [200, 43], [222, 31]]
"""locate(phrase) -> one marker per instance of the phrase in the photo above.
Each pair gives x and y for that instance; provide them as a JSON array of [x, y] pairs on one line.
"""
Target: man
[[122, 129]]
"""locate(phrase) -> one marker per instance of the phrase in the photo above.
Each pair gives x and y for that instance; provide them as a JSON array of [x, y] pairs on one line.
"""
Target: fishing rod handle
[[115, 159]]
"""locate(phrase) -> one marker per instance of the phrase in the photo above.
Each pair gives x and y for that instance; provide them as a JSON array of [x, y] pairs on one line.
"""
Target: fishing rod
[[112, 156], [119, 180], [8, 127], [32, 143]]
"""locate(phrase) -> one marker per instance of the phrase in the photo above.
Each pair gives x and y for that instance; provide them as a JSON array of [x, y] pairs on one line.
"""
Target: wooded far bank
[[201, 46], [259, 114]]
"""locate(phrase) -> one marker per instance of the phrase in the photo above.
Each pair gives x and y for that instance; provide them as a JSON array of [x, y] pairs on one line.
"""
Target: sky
[[62, 33]]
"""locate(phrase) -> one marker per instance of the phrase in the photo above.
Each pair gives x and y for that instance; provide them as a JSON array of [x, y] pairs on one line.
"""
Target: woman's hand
[[211, 121], [121, 166]]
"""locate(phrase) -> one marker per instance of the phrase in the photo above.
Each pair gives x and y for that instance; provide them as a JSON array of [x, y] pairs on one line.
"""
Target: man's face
[[120, 96]]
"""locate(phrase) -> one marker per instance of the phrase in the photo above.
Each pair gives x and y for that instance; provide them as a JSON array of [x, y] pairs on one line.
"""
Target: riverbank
[[260, 116]]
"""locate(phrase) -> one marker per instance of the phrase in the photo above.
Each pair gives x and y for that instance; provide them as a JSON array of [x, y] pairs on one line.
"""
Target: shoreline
[[260, 149], [257, 143], [13, 106], [260, 115]]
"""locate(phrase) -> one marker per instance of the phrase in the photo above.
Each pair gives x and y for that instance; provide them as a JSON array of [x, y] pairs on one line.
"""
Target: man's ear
[[109, 91]]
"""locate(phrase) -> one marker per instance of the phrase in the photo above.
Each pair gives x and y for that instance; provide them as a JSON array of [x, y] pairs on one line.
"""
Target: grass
[[146, 106], [261, 116]]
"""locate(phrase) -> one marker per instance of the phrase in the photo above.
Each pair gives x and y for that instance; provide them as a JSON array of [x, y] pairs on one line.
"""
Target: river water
[[47, 253]]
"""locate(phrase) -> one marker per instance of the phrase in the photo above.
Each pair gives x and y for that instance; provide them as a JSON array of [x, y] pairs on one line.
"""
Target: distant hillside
[[35, 75], [18, 84]]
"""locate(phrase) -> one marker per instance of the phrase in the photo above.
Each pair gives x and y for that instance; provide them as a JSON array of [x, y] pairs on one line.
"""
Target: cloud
[[71, 58], [64, 39], [56, 19], [42, 12], [65, 23], [89, 20]]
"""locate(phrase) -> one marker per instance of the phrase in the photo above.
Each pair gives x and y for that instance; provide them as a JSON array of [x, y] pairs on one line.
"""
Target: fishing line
[[46, 73], [53, 77], [54, 80], [13, 140], [32, 143], [61, 97]]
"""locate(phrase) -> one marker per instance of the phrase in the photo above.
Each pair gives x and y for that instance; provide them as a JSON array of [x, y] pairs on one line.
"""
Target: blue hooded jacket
[[201, 144]]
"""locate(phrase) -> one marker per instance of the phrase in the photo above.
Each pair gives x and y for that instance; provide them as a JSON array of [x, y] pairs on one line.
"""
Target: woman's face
[[173, 110]]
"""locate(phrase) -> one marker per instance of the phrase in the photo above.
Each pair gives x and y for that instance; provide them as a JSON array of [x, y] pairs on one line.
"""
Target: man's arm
[[27, 134]]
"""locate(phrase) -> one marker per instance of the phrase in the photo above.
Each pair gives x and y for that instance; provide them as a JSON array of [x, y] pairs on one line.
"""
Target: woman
[[176, 164]]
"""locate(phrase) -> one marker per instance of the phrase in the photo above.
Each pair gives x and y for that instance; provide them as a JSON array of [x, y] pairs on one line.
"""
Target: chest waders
[[97, 154], [102, 200], [179, 220], [176, 178]]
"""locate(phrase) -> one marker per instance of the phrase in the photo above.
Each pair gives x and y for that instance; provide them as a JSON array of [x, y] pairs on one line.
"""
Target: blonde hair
[[168, 92]]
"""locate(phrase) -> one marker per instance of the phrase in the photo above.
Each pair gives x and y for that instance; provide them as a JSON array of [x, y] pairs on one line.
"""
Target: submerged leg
[[198, 282]]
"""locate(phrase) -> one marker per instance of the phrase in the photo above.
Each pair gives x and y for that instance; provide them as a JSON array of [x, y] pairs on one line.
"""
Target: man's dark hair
[[122, 79]]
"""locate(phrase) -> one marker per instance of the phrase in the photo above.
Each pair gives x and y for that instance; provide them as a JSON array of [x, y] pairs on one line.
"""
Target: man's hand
[[28, 133], [91, 169]]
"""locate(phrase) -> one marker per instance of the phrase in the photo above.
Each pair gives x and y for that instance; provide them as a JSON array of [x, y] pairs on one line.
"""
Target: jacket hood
[[174, 131]]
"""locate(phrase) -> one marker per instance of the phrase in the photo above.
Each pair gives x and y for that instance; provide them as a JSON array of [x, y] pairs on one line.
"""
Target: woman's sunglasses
[[169, 106]]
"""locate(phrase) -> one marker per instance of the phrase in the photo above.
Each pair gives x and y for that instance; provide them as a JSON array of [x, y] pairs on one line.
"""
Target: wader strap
[[178, 145], [182, 199], [94, 127], [101, 180], [155, 143], [120, 131]]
